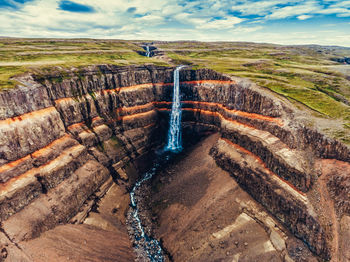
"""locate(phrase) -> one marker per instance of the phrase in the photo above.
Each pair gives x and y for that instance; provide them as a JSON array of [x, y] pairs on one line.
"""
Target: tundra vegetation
[[311, 77]]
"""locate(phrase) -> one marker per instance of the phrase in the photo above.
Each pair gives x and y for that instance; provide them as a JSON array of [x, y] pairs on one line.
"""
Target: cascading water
[[148, 53], [174, 134], [146, 246]]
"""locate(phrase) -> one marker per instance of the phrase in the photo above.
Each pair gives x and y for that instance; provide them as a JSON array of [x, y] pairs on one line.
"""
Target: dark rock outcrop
[[63, 133]]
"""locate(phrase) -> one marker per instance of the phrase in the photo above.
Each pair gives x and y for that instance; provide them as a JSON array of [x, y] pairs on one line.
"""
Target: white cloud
[[260, 8], [225, 20], [339, 11], [221, 24], [304, 17], [187, 18], [342, 4], [150, 19], [294, 10]]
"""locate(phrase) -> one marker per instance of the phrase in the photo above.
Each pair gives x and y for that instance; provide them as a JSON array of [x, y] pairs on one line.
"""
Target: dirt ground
[[101, 237], [202, 214]]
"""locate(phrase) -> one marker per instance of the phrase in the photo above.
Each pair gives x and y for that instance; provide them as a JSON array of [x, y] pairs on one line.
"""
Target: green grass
[[298, 75], [6, 73], [315, 100], [22, 55], [301, 74]]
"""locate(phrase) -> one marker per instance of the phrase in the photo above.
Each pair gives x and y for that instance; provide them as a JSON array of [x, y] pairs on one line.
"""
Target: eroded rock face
[[63, 135]]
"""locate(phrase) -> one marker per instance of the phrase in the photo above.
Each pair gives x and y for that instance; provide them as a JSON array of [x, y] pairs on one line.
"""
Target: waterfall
[[144, 245], [174, 133], [148, 53]]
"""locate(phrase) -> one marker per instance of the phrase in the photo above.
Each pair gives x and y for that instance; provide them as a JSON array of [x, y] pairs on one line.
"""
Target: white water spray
[[148, 53], [148, 247], [174, 133]]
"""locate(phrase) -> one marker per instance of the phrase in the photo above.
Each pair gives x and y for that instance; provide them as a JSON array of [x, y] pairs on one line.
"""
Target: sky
[[324, 22]]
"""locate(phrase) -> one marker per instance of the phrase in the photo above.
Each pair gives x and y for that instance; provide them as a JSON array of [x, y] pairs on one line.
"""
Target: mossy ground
[[21, 55], [305, 75]]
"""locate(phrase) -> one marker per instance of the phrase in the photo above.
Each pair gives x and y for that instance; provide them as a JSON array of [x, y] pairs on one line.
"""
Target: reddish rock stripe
[[123, 110], [150, 125], [148, 85], [128, 117], [64, 100], [26, 116], [96, 118], [239, 113], [225, 82], [262, 163], [68, 99], [231, 111], [171, 84], [207, 112], [43, 150], [237, 146], [5, 186], [35, 154], [74, 126], [162, 103], [13, 164]]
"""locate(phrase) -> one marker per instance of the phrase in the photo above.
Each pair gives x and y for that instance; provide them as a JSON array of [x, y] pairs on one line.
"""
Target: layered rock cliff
[[64, 135]]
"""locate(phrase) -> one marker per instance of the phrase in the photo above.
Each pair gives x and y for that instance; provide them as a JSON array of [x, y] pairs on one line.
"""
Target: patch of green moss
[[116, 142], [93, 95], [342, 135], [100, 147]]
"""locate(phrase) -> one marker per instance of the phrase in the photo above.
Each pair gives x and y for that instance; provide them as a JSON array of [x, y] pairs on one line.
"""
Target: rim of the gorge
[[67, 137]]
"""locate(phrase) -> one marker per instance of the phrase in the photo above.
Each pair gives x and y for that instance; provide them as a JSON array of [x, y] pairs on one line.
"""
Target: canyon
[[73, 144]]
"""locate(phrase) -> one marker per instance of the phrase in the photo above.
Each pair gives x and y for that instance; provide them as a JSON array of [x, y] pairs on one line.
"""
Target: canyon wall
[[64, 134]]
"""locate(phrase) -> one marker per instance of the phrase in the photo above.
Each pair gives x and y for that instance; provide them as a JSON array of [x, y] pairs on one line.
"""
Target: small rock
[[245, 244], [236, 243], [277, 241], [227, 253], [3, 253]]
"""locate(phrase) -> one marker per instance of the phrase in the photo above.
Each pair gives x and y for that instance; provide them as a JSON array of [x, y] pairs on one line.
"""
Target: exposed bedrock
[[63, 135]]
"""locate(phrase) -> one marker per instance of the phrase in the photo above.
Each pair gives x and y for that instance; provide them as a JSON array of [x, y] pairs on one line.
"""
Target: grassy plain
[[306, 75]]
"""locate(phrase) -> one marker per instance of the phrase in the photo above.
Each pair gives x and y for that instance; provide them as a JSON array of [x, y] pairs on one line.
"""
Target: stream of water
[[144, 245], [148, 53]]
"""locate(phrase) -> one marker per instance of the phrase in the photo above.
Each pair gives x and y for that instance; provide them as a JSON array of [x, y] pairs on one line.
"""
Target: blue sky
[[324, 22]]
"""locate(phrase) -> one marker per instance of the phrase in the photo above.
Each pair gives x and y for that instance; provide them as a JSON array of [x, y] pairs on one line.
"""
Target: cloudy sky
[[324, 22]]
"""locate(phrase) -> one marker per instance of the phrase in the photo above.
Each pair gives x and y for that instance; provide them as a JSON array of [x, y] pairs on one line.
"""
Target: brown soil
[[203, 215], [101, 237], [80, 243]]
